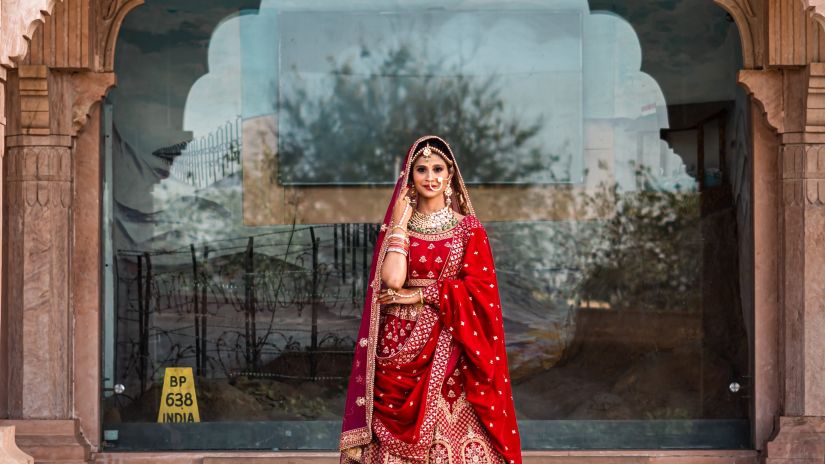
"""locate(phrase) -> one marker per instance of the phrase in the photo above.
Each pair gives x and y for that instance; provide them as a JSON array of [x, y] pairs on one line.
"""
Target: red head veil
[[357, 427]]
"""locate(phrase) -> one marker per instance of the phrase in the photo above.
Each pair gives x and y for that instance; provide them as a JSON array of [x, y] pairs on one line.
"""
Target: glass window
[[251, 148]]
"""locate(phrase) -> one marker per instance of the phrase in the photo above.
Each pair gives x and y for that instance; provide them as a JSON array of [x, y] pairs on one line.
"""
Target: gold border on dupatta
[[419, 282]]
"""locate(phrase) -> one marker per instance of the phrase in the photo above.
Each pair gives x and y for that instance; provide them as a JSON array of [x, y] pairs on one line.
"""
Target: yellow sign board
[[178, 402]]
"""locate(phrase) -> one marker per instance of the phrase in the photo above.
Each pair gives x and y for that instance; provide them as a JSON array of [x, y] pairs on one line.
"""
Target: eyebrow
[[442, 164]]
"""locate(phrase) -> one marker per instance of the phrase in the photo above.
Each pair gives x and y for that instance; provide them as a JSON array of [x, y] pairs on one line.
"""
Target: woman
[[430, 382]]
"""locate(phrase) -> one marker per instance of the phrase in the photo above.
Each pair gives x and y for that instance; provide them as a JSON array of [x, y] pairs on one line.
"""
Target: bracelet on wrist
[[397, 250], [399, 236]]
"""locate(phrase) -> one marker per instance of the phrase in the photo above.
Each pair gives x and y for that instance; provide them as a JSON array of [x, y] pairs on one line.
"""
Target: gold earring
[[448, 192]]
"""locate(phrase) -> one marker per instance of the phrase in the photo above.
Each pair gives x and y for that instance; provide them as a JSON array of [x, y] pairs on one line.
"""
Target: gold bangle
[[398, 227], [421, 295]]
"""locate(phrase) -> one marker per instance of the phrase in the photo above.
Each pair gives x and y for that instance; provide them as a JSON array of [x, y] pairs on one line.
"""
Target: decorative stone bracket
[[89, 88], [792, 99]]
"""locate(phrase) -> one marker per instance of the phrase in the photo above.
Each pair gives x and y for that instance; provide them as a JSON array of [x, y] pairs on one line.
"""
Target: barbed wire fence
[[281, 305]]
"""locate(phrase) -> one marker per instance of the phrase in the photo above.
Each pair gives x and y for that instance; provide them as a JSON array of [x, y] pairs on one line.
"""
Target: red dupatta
[[466, 295]]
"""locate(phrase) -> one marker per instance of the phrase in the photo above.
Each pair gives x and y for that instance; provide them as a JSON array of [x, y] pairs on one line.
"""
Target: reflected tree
[[353, 131], [647, 255]]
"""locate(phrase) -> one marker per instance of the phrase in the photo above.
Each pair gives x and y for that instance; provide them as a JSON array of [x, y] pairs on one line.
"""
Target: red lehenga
[[430, 383]]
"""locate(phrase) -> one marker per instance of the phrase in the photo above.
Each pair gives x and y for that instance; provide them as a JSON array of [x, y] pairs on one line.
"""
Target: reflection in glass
[[251, 145]]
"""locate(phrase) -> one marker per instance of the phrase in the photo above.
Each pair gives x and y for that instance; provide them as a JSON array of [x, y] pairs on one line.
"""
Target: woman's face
[[430, 176]]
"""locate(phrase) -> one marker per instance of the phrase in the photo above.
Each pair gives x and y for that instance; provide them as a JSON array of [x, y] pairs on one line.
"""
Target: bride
[[429, 381]]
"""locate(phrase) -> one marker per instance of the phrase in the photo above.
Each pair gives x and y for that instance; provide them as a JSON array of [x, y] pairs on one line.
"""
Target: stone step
[[55, 452], [42, 427], [50, 440]]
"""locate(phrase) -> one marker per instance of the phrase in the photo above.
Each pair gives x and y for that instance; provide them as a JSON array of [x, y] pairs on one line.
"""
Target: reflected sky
[[557, 64]]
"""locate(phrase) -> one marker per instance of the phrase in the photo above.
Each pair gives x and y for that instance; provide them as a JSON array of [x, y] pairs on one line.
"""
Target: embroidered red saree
[[430, 382]]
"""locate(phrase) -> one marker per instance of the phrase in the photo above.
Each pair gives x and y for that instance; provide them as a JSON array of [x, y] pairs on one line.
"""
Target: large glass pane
[[250, 147]]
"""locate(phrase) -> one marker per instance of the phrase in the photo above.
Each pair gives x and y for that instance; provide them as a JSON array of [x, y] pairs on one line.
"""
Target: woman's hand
[[403, 296], [402, 211]]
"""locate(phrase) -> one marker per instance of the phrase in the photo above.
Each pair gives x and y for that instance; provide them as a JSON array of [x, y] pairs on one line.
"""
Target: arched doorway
[[629, 272]]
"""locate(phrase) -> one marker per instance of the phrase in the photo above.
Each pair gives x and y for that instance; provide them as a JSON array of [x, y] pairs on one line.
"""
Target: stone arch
[[114, 16], [747, 21], [77, 34], [816, 9]]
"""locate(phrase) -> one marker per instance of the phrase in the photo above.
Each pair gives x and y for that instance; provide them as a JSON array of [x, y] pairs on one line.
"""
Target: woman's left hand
[[403, 296]]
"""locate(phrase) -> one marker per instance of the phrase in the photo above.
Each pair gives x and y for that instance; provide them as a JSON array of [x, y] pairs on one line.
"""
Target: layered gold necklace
[[432, 223]]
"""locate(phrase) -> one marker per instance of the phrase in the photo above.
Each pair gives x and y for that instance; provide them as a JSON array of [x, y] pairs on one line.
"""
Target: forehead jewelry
[[426, 151]]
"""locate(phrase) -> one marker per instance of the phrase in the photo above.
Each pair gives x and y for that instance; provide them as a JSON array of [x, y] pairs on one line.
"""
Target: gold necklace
[[432, 223]]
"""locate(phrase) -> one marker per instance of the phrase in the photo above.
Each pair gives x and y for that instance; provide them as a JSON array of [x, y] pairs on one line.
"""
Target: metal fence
[[283, 304], [206, 160]]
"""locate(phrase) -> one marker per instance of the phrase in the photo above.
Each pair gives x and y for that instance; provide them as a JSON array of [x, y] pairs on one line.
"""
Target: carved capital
[[39, 176], [88, 88], [803, 174], [815, 98], [33, 85]]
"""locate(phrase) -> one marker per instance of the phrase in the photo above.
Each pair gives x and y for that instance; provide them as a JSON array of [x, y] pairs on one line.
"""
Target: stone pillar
[[793, 101], [38, 179], [801, 428], [38, 176], [3, 359], [803, 229], [39, 194]]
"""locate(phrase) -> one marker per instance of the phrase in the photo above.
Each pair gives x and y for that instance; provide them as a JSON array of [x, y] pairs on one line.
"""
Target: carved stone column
[[3, 221], [801, 434], [39, 194], [56, 62], [793, 101], [803, 229], [38, 179], [47, 108]]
